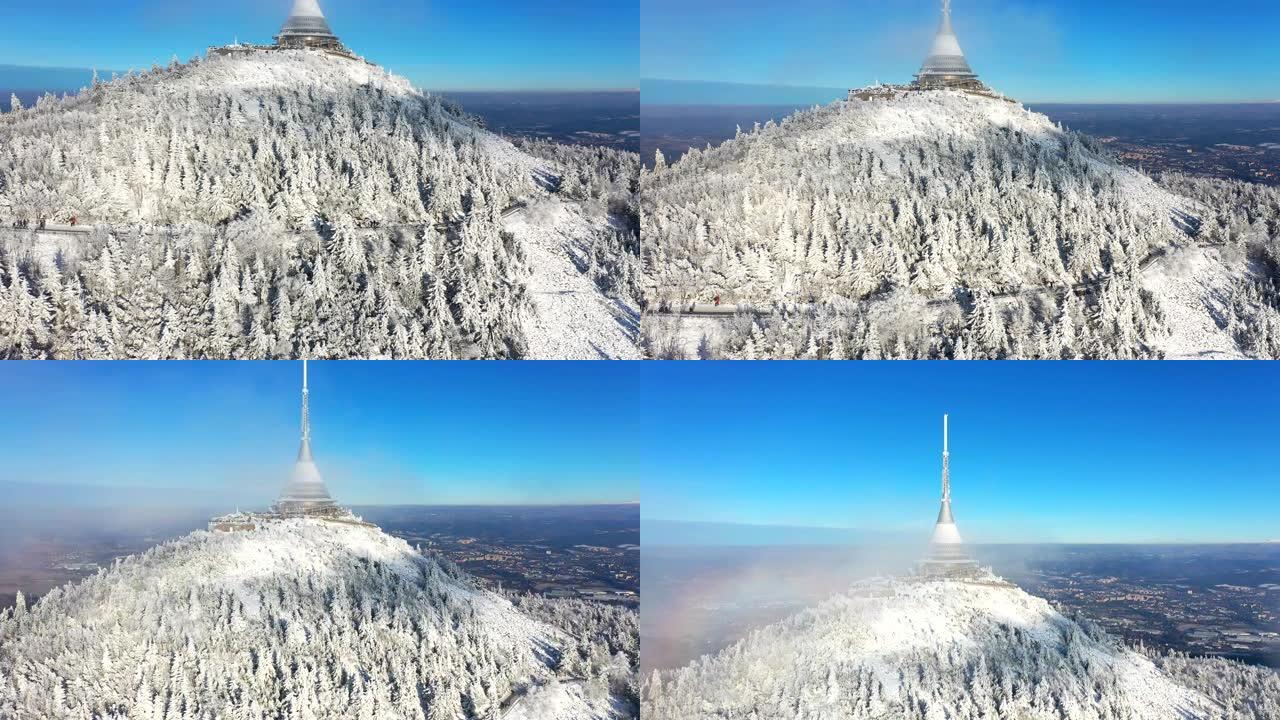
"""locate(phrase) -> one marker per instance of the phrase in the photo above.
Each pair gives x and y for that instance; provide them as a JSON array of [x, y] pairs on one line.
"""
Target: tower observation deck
[[308, 28], [947, 556], [946, 67]]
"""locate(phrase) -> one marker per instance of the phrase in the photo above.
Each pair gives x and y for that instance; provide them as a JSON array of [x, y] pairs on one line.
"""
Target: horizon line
[[787, 86], [1134, 543], [105, 76], [909, 530]]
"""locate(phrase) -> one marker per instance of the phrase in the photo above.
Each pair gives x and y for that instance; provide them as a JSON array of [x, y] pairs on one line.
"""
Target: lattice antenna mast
[[946, 454], [306, 407]]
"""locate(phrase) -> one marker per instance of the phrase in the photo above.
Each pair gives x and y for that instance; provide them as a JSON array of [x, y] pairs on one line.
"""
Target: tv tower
[[947, 555], [305, 450], [946, 66], [306, 493]]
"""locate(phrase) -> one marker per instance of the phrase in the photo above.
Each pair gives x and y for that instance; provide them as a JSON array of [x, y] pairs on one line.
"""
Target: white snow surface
[[572, 319], [389, 199], [326, 619], [250, 75], [1192, 284], [887, 645], [563, 701]]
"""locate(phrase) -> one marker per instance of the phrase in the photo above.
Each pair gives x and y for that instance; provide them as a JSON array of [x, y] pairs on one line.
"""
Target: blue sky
[[1041, 452], [398, 433], [1034, 50], [438, 44]]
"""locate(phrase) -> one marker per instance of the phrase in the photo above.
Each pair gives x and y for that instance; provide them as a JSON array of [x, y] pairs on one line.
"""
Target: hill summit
[[946, 223], [307, 618], [936, 648], [277, 203]]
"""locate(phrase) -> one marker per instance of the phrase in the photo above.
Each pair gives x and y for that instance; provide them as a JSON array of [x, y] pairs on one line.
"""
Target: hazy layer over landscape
[[567, 551], [1221, 600]]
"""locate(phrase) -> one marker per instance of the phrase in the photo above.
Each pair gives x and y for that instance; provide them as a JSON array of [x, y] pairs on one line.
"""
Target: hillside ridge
[[939, 224], [325, 619], [287, 204], [915, 648]]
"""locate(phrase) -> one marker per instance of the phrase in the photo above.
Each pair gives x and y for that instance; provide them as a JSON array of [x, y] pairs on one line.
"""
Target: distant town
[[586, 552], [1220, 601]]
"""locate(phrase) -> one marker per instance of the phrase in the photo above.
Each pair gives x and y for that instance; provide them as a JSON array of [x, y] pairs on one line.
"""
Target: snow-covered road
[[572, 319]]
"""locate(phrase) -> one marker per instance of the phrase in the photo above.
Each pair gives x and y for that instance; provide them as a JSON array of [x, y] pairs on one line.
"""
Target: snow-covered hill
[[283, 204], [300, 618], [930, 224], [930, 649]]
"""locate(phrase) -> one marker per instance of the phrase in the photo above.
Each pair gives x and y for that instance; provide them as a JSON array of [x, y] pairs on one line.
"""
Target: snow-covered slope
[[1193, 285], [278, 204], [565, 701], [300, 618], [299, 135], [926, 649], [932, 191], [571, 319], [930, 224]]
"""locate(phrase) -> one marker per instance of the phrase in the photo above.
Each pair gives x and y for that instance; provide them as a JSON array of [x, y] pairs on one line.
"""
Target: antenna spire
[[946, 463], [947, 556], [306, 410], [305, 494]]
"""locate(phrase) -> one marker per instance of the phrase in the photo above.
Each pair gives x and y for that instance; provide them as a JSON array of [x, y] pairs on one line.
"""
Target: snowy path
[[572, 319], [562, 701], [1192, 285]]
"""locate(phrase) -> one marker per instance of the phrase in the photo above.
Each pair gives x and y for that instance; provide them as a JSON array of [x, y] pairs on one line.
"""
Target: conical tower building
[[307, 28], [947, 555], [306, 493], [946, 66]]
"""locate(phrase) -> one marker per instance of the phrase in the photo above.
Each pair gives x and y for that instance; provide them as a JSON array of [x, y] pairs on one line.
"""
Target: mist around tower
[[304, 496], [907, 550]]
